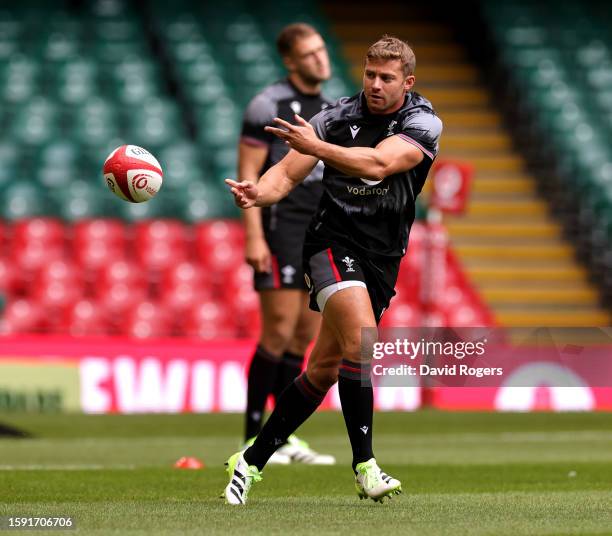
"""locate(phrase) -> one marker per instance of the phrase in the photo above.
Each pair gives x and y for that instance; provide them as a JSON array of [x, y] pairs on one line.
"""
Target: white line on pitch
[[59, 467]]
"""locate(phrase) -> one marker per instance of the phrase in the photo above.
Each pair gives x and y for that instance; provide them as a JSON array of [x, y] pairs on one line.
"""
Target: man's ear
[[409, 82], [288, 63]]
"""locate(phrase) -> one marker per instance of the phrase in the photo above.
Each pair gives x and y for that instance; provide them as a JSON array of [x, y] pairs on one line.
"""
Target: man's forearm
[[273, 186], [253, 226], [352, 161]]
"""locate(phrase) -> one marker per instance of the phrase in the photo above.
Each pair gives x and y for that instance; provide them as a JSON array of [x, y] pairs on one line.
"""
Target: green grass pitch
[[462, 473]]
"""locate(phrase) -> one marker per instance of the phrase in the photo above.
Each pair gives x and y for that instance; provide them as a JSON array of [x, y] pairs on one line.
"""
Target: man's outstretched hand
[[300, 137], [245, 193]]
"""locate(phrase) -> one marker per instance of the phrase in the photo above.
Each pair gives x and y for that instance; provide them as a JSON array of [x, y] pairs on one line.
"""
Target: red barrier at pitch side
[[120, 375]]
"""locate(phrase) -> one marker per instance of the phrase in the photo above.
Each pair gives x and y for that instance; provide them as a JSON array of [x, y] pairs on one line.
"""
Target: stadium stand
[[558, 70], [89, 76]]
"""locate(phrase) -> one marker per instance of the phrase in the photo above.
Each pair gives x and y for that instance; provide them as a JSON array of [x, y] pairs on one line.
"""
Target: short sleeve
[[422, 130], [318, 122], [259, 114]]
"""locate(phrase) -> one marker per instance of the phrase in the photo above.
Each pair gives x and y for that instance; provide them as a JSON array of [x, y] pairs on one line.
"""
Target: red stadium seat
[[435, 318], [9, 283], [35, 243], [160, 255], [95, 255], [401, 314], [60, 270], [121, 271], [147, 319], [183, 273], [117, 299], [22, 316], [31, 256], [405, 294], [219, 259], [56, 296], [237, 280], [452, 297], [98, 242], [146, 328], [182, 297], [210, 233], [408, 282], [251, 329], [85, 317], [148, 231], [465, 315], [146, 309], [44, 230], [99, 230], [245, 310], [209, 320], [3, 237], [160, 243]]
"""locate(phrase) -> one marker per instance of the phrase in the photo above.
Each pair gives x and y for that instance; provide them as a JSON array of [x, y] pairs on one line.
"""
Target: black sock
[[357, 399], [261, 378], [289, 368], [297, 402]]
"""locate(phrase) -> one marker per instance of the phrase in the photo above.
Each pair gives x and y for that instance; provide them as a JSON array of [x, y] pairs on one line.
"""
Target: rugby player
[[377, 147]]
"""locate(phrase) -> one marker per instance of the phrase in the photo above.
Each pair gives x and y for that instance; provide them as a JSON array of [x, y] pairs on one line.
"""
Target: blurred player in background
[[378, 147], [275, 234]]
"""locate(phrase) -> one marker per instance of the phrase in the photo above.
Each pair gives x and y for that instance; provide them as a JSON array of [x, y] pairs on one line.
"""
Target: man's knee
[[301, 339], [351, 347], [277, 332], [323, 377]]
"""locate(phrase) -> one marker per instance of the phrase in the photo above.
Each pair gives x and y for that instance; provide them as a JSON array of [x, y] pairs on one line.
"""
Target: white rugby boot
[[241, 478], [298, 451], [372, 483]]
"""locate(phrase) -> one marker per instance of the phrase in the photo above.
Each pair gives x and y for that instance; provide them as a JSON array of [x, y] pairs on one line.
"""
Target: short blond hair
[[392, 48]]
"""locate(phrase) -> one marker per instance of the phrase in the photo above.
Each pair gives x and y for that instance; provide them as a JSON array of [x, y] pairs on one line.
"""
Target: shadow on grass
[[12, 432]]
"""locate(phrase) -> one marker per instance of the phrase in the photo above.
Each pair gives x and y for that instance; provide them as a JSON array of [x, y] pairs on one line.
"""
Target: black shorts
[[336, 263], [286, 242]]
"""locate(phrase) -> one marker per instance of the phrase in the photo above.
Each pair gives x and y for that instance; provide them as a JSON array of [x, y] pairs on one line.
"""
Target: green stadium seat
[[151, 131], [204, 201], [191, 51], [75, 84], [95, 130], [9, 163], [199, 71], [208, 91], [593, 54], [25, 200], [164, 205], [85, 199], [35, 129], [181, 165]]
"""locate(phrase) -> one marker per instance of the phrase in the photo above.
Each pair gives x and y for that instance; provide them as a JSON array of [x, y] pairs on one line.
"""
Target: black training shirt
[[369, 216]]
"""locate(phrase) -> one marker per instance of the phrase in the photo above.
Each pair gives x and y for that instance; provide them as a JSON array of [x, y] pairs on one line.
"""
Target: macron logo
[[354, 130]]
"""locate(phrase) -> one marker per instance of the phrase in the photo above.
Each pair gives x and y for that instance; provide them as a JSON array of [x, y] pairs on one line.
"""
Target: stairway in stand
[[511, 248]]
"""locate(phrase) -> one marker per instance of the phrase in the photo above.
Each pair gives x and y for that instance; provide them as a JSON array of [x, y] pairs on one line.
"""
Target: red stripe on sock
[[307, 387], [352, 369], [333, 266]]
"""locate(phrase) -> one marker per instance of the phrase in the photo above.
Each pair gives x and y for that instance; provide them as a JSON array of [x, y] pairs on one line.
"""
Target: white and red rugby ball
[[133, 174]]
